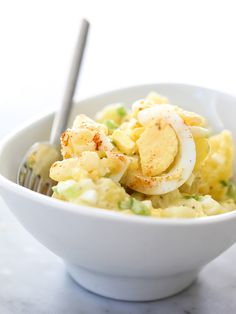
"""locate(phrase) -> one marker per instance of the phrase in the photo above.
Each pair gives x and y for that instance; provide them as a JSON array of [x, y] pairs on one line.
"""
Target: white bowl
[[118, 256]]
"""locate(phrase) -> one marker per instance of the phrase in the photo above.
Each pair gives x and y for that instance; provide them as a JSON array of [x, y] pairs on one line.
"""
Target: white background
[[131, 42]]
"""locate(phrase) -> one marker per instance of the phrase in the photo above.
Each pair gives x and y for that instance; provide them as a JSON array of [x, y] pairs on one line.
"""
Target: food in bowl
[[110, 253], [153, 160]]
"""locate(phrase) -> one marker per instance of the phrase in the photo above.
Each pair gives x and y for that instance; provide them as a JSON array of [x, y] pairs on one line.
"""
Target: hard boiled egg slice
[[184, 162]]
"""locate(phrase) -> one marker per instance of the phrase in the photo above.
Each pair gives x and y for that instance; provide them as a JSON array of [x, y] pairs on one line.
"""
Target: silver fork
[[34, 169]]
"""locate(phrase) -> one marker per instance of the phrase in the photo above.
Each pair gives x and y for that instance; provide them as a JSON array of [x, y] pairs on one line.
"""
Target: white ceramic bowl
[[118, 256]]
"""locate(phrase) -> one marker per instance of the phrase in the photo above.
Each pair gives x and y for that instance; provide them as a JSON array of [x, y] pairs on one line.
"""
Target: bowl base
[[131, 288]]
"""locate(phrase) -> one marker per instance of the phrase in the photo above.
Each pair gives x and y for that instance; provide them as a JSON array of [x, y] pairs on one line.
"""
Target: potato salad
[[154, 159]]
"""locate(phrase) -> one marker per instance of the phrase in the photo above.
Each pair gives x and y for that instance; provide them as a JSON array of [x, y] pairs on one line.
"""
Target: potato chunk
[[123, 142], [158, 146]]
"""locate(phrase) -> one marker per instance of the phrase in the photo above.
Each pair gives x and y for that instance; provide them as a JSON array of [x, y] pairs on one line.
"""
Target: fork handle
[[62, 116]]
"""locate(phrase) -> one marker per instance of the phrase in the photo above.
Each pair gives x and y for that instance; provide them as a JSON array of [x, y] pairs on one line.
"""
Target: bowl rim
[[96, 212]]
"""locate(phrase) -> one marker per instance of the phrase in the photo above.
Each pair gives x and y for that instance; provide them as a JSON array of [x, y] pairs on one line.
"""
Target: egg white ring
[[142, 102], [199, 131], [126, 161], [184, 164]]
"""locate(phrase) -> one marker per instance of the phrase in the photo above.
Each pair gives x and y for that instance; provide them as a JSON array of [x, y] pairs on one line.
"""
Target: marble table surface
[[35, 281]]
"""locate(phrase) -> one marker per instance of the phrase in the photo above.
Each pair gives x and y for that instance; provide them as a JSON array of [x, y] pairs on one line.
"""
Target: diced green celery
[[224, 183], [54, 188], [139, 208], [68, 189], [231, 192], [231, 189], [121, 111], [126, 204], [135, 206], [196, 197], [111, 125]]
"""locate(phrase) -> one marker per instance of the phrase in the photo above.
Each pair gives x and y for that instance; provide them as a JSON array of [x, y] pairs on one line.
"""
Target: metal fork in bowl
[[34, 169]]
